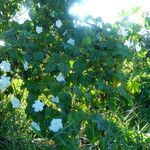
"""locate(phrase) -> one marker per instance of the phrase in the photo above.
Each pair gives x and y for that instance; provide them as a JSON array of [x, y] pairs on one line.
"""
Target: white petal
[[60, 78], [58, 23], [56, 125], [26, 66], [55, 99], [15, 102], [36, 126], [39, 29], [4, 82], [38, 106], [71, 41], [5, 66]]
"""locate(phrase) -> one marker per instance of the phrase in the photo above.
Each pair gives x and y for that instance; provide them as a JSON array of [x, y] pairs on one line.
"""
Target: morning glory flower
[[38, 106], [123, 32], [108, 29], [71, 41], [26, 65], [58, 23], [36, 126], [129, 44], [2, 43], [5, 66], [15, 102], [39, 5], [56, 125], [39, 29], [55, 99], [4, 82], [138, 47], [60, 78]]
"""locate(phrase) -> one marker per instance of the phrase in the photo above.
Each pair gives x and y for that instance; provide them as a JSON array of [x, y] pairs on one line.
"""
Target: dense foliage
[[78, 87]]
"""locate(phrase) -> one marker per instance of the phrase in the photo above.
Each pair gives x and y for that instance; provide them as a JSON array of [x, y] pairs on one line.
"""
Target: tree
[[67, 75]]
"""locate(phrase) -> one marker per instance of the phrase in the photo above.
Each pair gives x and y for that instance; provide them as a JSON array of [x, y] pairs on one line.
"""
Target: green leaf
[[133, 87], [38, 56], [122, 92], [51, 66], [86, 41], [79, 66], [77, 117], [50, 113], [64, 68], [102, 123], [88, 32], [65, 102], [101, 85]]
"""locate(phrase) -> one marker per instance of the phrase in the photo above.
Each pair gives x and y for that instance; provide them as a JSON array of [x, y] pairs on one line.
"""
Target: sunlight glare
[[108, 9]]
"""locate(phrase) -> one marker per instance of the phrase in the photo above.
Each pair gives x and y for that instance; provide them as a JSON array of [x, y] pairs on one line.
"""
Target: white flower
[[58, 23], [56, 124], [21, 16], [60, 78], [138, 47], [4, 82], [65, 33], [55, 99], [71, 41], [38, 106], [123, 31], [35, 126], [39, 29], [99, 24], [15, 102], [5, 66], [129, 44], [26, 65], [144, 32], [108, 29], [39, 5], [2, 43]]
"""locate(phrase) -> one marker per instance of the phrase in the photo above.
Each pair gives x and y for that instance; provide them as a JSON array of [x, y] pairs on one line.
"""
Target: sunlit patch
[[21, 16], [2, 43], [108, 10], [136, 18]]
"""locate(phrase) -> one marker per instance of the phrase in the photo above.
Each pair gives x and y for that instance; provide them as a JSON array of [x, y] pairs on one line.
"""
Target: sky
[[108, 9]]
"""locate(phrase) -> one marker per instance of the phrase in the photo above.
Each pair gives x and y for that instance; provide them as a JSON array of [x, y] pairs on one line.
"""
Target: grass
[[126, 130], [122, 133]]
